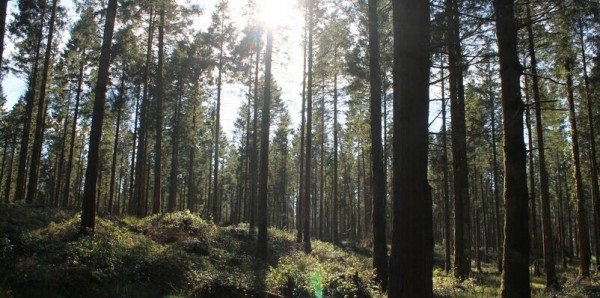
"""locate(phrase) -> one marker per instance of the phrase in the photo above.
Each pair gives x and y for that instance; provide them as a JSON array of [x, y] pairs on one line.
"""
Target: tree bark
[[515, 277], [88, 215], [549, 266], [582, 226], [29, 105], [411, 259], [309, 99], [380, 259], [160, 93], [462, 229], [40, 121], [261, 245]]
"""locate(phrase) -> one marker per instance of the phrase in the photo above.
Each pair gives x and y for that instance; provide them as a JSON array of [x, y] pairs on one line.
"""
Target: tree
[[410, 273], [515, 277], [261, 245], [378, 174], [160, 93], [462, 221], [38, 139], [551, 280], [88, 215], [309, 111]]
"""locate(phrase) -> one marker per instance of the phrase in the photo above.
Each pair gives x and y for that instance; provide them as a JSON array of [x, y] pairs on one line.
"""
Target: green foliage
[[329, 269]]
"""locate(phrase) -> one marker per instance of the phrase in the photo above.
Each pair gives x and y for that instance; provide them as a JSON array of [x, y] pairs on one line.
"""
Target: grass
[[182, 255]]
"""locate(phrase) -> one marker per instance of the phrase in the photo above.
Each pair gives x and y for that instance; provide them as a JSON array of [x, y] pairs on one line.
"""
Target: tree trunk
[[335, 218], [551, 280], [261, 245], [535, 251], [88, 215], [29, 105], [462, 247], [160, 93], [411, 260], [254, 148], [582, 228], [175, 154], [447, 228], [141, 169], [377, 169], [40, 120], [309, 111], [593, 158], [113, 168], [515, 277]]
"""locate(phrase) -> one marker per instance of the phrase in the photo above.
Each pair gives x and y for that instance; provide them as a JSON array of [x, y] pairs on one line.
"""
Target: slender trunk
[[175, 154], [302, 172], [462, 247], [535, 252], [411, 259], [309, 111], [261, 244], [447, 228], [40, 120], [254, 149], [593, 158], [515, 277], [322, 158], [499, 234], [549, 266], [582, 228], [335, 218], [380, 259], [69, 170], [29, 105], [88, 215], [61, 159], [160, 93], [113, 168]]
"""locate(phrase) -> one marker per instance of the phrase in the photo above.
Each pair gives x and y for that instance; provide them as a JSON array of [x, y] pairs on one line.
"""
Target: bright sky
[[282, 15]]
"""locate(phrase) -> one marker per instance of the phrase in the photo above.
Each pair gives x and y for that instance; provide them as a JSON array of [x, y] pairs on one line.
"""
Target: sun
[[278, 13]]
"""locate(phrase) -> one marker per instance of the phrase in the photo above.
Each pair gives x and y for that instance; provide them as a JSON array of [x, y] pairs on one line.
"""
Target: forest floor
[[181, 255]]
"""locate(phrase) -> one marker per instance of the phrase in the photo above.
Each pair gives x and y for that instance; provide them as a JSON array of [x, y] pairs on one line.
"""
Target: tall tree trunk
[[29, 105], [160, 93], [175, 154], [551, 280], [302, 172], [216, 194], [309, 111], [61, 160], [113, 168], [40, 119], [447, 228], [141, 169], [322, 159], [254, 148], [335, 218], [88, 215], [261, 244], [515, 277], [582, 228], [377, 169], [593, 158], [462, 233], [496, 183], [411, 260], [69, 169], [535, 251]]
